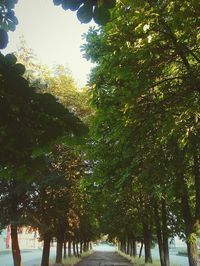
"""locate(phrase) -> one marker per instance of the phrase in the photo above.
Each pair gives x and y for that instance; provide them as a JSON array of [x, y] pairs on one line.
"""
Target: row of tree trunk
[[64, 248]]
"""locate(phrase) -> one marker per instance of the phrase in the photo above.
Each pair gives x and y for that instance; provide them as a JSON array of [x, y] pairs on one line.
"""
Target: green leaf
[[101, 15], [85, 13]]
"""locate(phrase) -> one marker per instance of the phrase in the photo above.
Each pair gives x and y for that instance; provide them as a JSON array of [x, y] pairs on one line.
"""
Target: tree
[[145, 90], [30, 122]]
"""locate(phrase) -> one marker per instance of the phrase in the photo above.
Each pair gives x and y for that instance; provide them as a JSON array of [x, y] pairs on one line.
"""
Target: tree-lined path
[[104, 258]]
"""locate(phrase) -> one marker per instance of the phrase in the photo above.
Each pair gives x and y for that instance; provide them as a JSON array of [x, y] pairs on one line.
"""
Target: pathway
[[100, 258]]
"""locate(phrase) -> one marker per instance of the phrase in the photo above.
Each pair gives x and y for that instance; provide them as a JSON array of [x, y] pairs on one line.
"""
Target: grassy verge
[[140, 261], [2, 252], [183, 252], [71, 261]]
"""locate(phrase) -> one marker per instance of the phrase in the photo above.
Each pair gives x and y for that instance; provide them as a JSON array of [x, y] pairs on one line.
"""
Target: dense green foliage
[[141, 179], [145, 135]]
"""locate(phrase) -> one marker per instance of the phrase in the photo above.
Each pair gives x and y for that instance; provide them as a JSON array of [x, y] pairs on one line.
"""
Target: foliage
[[57, 81], [145, 91], [8, 20], [86, 10]]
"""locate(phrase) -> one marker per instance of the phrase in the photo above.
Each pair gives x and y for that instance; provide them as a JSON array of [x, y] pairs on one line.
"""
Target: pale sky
[[53, 33]]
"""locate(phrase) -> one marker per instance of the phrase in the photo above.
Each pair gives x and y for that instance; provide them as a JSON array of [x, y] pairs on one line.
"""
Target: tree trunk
[[147, 243], [69, 248], [84, 246], [87, 246], [165, 233], [65, 250], [192, 253], [59, 250], [46, 251], [159, 235], [190, 235], [15, 246], [81, 247], [77, 249], [74, 248], [134, 248], [127, 246], [141, 247]]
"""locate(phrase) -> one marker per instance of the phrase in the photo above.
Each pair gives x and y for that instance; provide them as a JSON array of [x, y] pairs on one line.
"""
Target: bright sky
[[54, 34]]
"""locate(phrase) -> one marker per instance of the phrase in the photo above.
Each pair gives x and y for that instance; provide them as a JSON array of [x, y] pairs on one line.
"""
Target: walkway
[[100, 258]]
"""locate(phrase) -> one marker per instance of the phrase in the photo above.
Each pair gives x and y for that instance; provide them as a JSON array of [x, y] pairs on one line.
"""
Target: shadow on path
[[100, 258]]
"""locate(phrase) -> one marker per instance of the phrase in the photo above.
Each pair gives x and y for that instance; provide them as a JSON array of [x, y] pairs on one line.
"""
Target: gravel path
[[100, 258]]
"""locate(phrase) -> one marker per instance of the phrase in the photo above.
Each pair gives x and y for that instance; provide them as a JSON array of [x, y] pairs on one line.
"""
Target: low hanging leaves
[[85, 13], [101, 15], [88, 10], [8, 20], [3, 39]]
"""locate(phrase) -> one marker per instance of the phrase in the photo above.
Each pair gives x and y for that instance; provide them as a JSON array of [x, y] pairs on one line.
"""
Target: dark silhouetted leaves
[[101, 15], [10, 59], [71, 4], [28, 119], [88, 9], [85, 13], [20, 69], [3, 39], [10, 4], [57, 2]]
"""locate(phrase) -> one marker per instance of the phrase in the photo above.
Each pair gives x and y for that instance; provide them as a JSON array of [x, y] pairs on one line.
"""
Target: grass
[[5, 252], [71, 261], [140, 261], [183, 252]]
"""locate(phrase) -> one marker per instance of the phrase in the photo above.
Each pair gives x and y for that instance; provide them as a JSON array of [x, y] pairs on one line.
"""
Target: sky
[[55, 35]]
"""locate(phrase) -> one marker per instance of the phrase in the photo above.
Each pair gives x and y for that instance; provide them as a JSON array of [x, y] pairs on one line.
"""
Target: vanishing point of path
[[100, 258]]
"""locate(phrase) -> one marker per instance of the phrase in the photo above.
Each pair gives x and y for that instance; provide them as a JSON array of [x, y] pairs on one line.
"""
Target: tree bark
[[65, 250], [77, 249], [59, 250], [190, 235], [165, 233], [134, 248], [81, 247], [159, 235], [15, 246], [141, 247], [74, 248], [46, 251], [84, 246], [147, 243], [69, 248]]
